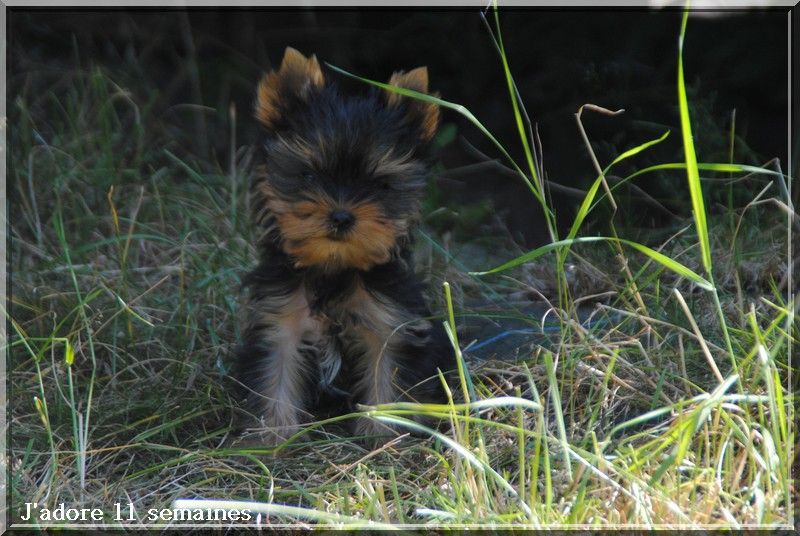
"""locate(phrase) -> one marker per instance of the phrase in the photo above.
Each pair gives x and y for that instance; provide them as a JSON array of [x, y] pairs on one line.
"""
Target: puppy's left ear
[[421, 114]]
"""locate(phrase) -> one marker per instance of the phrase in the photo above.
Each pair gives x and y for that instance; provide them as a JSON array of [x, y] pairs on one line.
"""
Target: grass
[[671, 406]]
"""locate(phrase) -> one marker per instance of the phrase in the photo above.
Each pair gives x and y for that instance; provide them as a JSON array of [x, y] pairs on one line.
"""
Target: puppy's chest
[[345, 313], [340, 314], [341, 302]]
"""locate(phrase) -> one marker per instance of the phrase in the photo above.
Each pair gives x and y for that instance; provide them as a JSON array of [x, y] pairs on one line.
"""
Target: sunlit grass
[[677, 414]]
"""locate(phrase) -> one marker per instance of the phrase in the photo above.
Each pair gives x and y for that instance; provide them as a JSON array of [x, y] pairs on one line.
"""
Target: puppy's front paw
[[276, 438]]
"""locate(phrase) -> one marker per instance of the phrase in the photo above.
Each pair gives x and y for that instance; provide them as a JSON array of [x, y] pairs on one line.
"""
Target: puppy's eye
[[385, 184], [308, 176]]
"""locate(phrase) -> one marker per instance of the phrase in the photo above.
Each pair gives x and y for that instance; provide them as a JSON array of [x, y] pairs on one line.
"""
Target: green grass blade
[[660, 258], [461, 450], [636, 150], [670, 264], [513, 94], [536, 253], [555, 397], [692, 171], [703, 166], [586, 205]]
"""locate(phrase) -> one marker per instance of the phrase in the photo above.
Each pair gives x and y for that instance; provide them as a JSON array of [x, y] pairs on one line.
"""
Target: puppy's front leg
[[277, 360], [378, 368], [399, 352]]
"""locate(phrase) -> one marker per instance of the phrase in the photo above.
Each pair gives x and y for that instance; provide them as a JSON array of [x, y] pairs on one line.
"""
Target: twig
[[699, 336]]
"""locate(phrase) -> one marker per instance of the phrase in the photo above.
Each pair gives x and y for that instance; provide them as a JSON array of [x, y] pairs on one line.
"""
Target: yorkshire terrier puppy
[[334, 305]]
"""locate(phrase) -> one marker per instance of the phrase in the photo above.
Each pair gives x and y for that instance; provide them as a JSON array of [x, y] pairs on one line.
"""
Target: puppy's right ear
[[297, 80]]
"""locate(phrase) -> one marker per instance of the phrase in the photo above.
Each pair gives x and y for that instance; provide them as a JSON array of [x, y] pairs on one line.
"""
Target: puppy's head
[[342, 176]]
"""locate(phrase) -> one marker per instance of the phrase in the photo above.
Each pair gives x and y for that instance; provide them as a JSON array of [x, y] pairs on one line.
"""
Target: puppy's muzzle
[[340, 221]]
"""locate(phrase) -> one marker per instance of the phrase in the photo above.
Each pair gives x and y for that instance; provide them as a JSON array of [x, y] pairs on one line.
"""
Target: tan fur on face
[[369, 242], [297, 75], [305, 231]]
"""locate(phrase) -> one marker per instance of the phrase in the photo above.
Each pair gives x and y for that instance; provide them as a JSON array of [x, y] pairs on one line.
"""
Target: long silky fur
[[348, 314]]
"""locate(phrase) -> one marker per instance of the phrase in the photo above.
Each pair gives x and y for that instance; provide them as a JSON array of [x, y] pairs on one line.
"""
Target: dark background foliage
[[173, 59]]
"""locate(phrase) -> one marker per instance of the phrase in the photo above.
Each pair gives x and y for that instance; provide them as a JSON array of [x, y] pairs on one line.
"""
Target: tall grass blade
[[475, 461], [660, 258], [555, 397], [586, 205], [692, 171]]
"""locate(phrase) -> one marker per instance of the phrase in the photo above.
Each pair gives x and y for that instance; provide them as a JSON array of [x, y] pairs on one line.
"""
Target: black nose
[[341, 220]]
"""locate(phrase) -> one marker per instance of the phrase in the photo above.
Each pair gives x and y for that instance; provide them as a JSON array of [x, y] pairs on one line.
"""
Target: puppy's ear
[[297, 80], [423, 115]]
